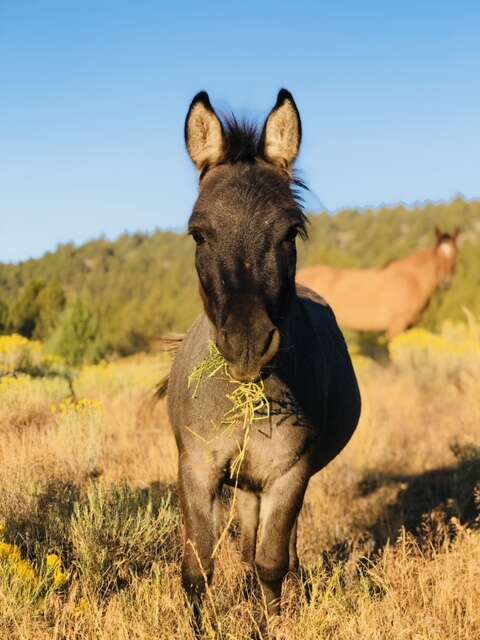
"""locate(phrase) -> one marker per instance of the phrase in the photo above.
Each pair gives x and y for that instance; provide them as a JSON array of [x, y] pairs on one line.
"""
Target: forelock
[[242, 140], [256, 189]]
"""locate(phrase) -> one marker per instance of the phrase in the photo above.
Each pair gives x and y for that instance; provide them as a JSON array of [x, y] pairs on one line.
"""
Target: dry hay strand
[[249, 403]]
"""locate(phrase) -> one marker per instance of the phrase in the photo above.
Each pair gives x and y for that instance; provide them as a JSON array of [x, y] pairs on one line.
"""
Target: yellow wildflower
[[85, 406], [55, 570], [11, 559], [9, 552], [20, 354]]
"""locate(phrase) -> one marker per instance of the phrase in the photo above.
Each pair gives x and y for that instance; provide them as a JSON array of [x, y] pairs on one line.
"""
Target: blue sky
[[93, 95]]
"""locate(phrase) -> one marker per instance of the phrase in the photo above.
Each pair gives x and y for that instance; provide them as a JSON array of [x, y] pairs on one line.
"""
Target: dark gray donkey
[[244, 224]]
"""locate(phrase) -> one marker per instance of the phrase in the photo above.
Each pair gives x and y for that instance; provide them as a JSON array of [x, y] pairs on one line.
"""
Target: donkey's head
[[446, 254], [244, 223]]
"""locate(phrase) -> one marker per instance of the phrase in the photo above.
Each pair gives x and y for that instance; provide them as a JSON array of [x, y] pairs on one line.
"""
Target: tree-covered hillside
[[115, 296]]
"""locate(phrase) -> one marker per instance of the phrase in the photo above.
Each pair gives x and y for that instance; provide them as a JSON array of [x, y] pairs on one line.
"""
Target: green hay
[[249, 403], [210, 366]]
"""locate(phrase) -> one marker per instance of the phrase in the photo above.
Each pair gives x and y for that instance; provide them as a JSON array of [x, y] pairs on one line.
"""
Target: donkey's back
[[322, 346]]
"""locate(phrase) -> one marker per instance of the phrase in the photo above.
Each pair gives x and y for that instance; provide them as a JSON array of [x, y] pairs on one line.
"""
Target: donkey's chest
[[271, 448], [255, 455]]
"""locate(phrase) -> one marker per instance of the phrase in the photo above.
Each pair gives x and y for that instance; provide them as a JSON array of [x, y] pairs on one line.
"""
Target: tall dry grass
[[388, 538]]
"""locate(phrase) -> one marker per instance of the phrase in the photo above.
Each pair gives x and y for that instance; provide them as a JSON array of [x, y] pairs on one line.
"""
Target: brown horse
[[389, 299], [244, 224]]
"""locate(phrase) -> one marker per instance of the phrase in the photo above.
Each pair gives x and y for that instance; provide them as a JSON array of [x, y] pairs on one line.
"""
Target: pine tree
[[25, 314], [78, 337], [51, 302], [4, 317]]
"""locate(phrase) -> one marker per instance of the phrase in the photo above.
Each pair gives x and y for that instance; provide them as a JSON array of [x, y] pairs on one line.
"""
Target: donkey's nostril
[[271, 346], [268, 342]]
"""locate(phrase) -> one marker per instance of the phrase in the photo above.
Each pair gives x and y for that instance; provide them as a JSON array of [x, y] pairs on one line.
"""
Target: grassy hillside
[[138, 286]]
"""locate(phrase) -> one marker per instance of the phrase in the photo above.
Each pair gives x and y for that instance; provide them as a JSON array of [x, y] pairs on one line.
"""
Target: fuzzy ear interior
[[282, 132], [204, 135]]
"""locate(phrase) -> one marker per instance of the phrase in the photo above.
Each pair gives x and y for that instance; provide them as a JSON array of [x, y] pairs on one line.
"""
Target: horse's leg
[[198, 499], [248, 507], [279, 508], [397, 326], [292, 550]]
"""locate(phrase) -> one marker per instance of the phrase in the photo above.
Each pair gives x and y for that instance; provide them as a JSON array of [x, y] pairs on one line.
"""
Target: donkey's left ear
[[282, 132]]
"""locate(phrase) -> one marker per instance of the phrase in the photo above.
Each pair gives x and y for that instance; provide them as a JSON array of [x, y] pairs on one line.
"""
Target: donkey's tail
[[160, 390], [169, 343]]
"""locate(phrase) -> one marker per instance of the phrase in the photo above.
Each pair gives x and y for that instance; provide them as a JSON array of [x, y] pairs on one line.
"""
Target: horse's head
[[244, 223], [446, 254]]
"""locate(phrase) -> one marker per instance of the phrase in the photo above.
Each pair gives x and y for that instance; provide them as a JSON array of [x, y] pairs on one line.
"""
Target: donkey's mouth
[[240, 375], [254, 375]]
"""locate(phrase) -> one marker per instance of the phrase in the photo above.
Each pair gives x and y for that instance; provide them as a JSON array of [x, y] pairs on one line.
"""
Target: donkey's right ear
[[204, 135]]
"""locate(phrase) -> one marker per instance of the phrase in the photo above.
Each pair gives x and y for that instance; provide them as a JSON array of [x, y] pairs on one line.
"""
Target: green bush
[[51, 302], [25, 314], [121, 532], [78, 337], [4, 318]]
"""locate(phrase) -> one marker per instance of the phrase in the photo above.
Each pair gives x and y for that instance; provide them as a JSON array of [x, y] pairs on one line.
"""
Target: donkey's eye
[[291, 235], [198, 237]]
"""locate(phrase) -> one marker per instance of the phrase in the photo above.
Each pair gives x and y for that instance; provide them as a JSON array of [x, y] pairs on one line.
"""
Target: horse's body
[[243, 225], [389, 299]]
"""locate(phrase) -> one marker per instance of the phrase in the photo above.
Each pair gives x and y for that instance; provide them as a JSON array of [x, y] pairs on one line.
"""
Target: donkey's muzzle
[[248, 349]]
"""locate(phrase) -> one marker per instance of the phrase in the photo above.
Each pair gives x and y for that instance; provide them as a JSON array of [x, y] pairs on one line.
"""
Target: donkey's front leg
[[199, 499], [293, 563], [279, 508], [248, 506]]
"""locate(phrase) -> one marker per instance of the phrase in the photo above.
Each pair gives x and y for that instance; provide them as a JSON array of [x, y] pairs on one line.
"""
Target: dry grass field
[[90, 530]]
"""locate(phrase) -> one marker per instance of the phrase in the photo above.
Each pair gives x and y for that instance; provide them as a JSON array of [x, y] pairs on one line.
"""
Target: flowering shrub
[[361, 362], [20, 355], [56, 574], [454, 353], [10, 383], [86, 407], [21, 573]]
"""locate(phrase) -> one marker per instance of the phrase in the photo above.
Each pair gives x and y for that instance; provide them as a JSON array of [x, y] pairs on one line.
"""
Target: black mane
[[244, 143], [242, 140]]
